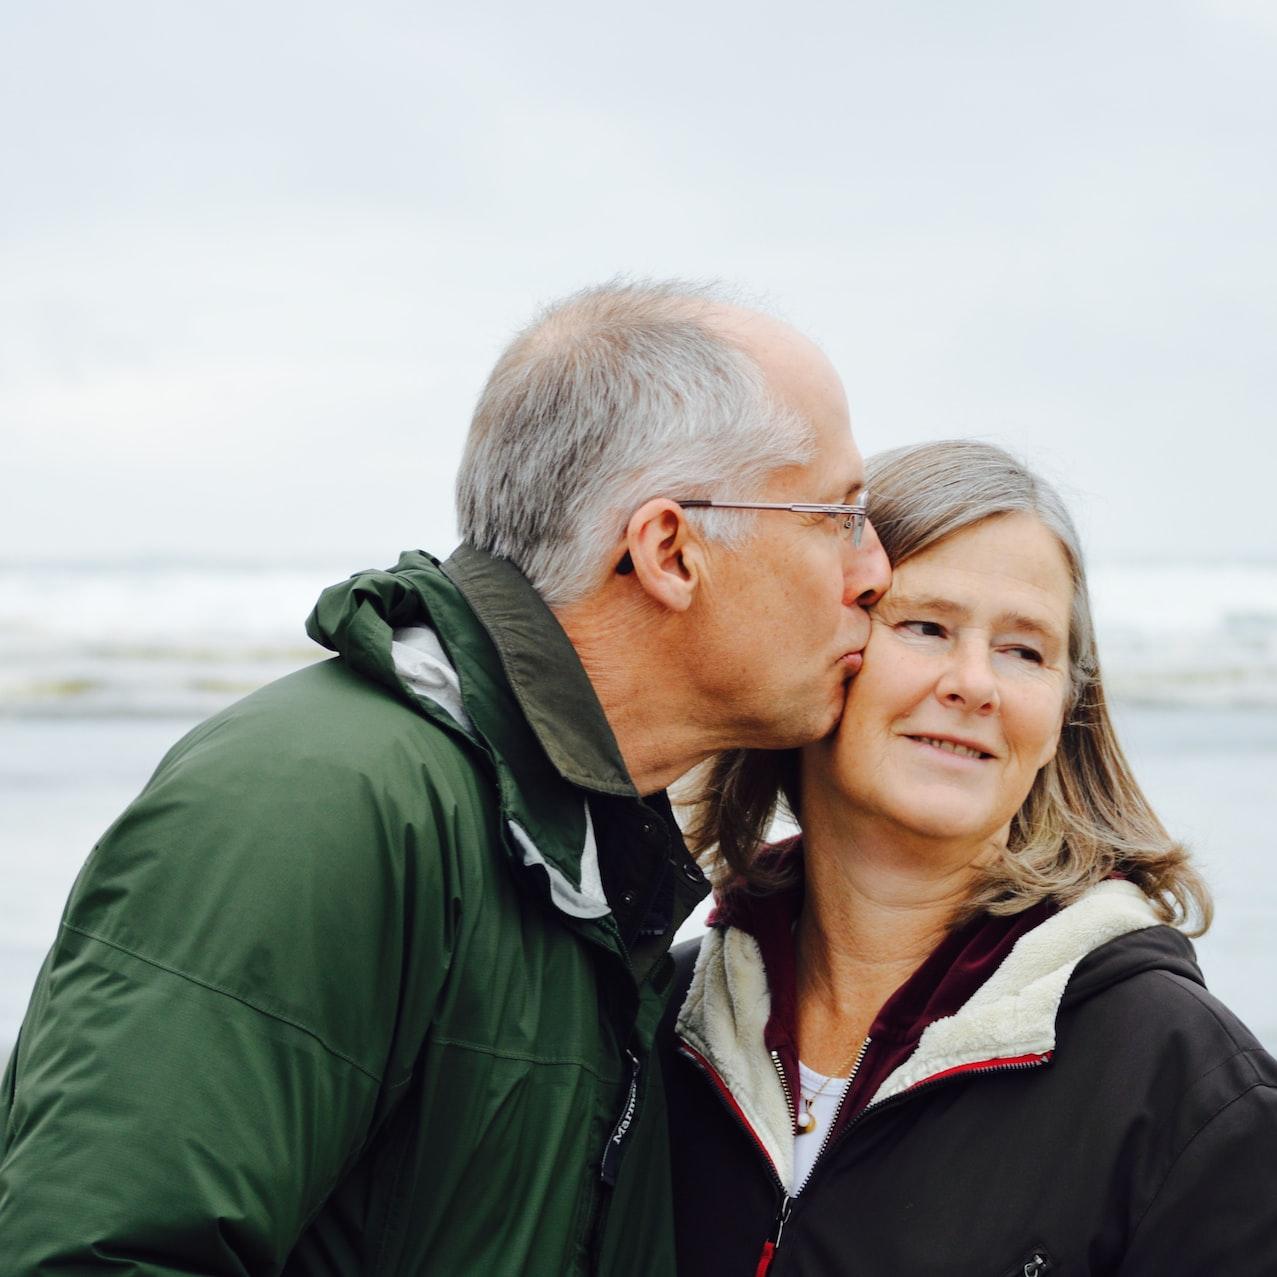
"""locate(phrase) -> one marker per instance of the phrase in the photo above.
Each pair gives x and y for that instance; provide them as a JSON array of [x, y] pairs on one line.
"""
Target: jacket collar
[[543, 670], [1009, 1018], [547, 822], [962, 961]]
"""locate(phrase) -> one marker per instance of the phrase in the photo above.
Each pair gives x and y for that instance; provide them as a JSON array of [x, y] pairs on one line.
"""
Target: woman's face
[[962, 695]]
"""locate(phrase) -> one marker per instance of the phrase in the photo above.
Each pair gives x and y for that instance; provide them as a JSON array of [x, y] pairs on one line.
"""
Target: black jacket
[[1141, 1140]]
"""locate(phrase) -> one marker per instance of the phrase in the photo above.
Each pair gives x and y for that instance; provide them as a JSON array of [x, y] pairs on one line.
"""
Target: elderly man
[[365, 981]]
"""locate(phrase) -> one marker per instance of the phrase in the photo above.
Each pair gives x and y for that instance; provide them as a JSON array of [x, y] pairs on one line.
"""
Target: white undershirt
[[824, 1109]]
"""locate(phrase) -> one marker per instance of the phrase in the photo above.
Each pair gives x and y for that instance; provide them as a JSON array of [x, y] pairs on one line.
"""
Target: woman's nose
[[968, 681], [868, 570]]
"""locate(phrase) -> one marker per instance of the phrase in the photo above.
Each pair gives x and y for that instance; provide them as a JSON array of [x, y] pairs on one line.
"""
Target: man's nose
[[868, 570]]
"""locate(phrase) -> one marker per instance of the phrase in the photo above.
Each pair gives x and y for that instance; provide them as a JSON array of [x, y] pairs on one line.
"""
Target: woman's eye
[[925, 629], [1027, 654]]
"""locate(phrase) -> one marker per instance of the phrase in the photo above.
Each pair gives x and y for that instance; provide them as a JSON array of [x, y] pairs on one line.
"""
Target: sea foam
[[186, 638]]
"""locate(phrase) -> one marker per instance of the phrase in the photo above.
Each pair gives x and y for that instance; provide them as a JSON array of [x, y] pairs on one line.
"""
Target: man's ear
[[663, 554]]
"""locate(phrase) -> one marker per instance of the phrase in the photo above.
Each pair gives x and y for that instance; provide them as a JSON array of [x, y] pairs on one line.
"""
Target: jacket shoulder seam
[[1257, 1084], [227, 993], [526, 1057], [1194, 991]]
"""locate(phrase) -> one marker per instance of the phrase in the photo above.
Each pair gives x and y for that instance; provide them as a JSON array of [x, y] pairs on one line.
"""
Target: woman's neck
[[875, 907]]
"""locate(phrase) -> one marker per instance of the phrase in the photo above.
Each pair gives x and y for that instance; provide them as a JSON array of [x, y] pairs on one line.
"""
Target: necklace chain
[[806, 1118]]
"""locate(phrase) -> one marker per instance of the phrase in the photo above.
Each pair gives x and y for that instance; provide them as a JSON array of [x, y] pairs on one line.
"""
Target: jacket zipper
[[768, 1252], [1038, 1264], [833, 1126], [729, 1103], [610, 1164], [784, 1086], [787, 1202], [939, 1079]]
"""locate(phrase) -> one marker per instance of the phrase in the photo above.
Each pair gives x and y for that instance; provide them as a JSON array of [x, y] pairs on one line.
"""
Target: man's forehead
[[797, 370], [800, 375], [838, 462], [746, 326]]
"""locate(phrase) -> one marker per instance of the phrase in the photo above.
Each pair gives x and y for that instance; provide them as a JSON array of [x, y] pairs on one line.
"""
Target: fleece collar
[[1011, 1016], [963, 960]]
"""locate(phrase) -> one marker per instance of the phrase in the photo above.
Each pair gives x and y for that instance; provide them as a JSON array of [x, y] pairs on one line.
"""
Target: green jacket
[[342, 992]]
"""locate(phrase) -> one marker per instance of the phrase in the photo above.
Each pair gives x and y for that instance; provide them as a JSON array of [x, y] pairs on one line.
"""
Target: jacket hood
[[1155, 948], [421, 634], [357, 617]]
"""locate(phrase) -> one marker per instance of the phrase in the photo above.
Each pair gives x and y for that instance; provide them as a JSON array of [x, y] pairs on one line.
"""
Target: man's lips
[[851, 662]]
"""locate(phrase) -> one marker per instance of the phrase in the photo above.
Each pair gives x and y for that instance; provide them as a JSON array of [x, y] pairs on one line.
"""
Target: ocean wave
[[188, 639]]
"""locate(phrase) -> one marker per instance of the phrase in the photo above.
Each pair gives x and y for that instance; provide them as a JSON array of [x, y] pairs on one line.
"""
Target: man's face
[[781, 620]]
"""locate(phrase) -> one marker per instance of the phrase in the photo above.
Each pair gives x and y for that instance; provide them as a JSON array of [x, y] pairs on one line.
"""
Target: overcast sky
[[256, 258]]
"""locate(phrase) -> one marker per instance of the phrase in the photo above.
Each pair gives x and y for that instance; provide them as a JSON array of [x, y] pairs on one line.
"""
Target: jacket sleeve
[[212, 1038], [1215, 1211]]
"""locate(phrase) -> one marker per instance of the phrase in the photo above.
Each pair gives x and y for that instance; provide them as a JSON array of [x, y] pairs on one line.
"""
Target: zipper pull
[[612, 1153], [769, 1247], [1040, 1263]]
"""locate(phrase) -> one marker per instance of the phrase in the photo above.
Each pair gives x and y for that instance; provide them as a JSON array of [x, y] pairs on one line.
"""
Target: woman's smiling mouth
[[960, 749]]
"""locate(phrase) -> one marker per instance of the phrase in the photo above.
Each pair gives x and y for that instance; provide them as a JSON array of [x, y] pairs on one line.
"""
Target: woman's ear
[[1052, 746], [663, 554]]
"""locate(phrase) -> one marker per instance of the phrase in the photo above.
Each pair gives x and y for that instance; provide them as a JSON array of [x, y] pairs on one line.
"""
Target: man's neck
[[648, 704]]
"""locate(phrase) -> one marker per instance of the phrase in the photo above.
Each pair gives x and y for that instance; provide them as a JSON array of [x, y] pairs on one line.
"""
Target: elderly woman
[[953, 1028]]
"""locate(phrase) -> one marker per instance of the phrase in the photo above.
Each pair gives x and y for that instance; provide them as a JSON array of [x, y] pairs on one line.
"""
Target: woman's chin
[[942, 824]]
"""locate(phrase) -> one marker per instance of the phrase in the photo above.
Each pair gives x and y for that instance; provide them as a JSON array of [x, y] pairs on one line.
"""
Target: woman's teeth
[[952, 747]]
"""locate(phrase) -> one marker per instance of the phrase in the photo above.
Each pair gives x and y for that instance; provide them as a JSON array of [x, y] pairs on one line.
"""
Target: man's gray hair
[[610, 397]]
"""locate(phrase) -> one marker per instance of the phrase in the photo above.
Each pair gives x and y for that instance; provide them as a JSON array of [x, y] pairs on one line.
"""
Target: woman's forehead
[[1012, 566]]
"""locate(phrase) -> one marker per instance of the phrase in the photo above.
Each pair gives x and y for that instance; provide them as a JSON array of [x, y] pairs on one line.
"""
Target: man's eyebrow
[[850, 493]]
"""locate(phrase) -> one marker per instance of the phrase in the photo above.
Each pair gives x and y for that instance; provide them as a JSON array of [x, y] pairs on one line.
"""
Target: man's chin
[[818, 727], [833, 721]]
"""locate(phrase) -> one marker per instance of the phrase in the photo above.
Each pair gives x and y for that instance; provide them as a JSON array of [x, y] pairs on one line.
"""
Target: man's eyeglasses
[[852, 517]]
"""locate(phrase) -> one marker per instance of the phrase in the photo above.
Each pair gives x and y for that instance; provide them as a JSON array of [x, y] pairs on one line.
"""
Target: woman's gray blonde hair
[[1084, 820]]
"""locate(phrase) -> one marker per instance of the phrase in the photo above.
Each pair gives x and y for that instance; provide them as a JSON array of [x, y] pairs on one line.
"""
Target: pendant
[[806, 1120]]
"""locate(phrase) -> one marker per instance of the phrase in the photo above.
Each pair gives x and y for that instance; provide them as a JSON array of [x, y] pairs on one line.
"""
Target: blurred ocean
[[103, 667], [142, 639]]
